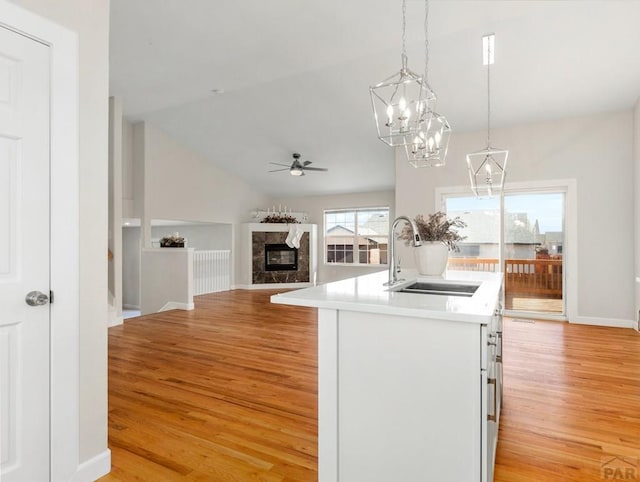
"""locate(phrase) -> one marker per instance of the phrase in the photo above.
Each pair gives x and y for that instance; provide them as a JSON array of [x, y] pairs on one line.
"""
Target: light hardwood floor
[[572, 399], [532, 304], [228, 393]]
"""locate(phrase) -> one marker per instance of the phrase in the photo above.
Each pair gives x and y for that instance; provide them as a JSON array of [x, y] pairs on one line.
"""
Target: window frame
[[356, 247]]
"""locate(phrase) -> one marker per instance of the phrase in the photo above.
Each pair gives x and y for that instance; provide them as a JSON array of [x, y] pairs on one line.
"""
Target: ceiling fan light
[[297, 168]]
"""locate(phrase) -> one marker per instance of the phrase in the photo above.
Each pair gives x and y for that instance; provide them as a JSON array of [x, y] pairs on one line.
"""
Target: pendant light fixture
[[429, 145], [487, 168], [402, 101]]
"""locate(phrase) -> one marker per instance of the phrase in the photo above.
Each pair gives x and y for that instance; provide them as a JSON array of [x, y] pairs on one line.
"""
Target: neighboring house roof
[[554, 237], [365, 231], [483, 227], [339, 230], [376, 225], [342, 235]]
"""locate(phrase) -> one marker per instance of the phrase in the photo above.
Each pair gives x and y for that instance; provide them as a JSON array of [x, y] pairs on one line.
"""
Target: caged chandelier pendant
[[402, 101], [487, 168], [428, 146]]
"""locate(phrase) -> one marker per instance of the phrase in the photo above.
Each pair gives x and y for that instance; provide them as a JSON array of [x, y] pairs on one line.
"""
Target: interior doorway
[[522, 234]]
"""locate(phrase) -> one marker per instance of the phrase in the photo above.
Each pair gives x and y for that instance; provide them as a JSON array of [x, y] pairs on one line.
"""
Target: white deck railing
[[211, 271]]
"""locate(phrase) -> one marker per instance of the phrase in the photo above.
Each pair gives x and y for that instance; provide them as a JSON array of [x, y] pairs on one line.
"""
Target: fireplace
[[280, 257], [273, 262]]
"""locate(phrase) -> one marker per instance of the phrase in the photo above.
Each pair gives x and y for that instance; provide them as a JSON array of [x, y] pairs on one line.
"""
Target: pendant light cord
[[488, 95], [404, 34], [426, 42]]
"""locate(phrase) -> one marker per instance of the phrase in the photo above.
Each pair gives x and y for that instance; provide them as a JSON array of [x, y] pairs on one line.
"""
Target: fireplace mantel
[[253, 237]]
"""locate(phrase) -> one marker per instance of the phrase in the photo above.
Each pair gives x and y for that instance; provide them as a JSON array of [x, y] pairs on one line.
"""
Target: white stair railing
[[211, 271]]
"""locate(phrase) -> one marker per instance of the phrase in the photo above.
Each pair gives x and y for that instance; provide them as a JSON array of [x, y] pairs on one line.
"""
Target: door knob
[[36, 298]]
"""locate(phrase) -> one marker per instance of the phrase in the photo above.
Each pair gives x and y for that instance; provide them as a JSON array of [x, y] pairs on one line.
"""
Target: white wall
[[168, 275], [90, 19], [596, 151], [636, 217], [206, 236], [128, 191], [314, 206], [180, 184], [131, 267], [115, 210]]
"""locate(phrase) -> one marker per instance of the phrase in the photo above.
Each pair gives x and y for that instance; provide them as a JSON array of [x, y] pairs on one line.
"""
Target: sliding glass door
[[521, 234], [533, 249], [480, 250]]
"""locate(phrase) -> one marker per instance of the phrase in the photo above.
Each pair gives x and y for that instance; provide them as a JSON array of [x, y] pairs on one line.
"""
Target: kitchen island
[[409, 383]]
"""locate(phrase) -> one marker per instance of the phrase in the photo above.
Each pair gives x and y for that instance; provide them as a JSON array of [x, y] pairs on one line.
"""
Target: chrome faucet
[[393, 268]]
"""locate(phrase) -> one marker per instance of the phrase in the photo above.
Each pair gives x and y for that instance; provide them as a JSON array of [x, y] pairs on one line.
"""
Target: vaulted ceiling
[[295, 74]]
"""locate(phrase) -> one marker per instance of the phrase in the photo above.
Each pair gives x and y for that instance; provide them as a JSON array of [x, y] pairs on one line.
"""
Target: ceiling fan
[[297, 168]]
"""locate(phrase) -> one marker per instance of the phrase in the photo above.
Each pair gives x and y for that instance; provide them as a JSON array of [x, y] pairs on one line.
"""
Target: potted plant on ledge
[[439, 235], [173, 241]]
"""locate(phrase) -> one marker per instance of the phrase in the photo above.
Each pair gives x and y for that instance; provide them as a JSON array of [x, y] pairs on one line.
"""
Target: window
[[356, 236], [482, 233]]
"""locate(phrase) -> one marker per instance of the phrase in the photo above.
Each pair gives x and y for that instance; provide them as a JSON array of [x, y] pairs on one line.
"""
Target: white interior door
[[24, 258]]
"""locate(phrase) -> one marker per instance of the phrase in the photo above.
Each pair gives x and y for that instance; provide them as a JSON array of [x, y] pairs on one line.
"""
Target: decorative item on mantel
[[173, 241], [439, 235], [280, 216]]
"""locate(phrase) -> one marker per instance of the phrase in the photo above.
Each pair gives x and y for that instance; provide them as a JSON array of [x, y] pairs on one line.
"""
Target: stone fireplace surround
[[253, 274], [261, 275]]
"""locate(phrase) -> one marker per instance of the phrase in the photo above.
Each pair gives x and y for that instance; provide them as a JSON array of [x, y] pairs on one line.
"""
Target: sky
[[547, 208]]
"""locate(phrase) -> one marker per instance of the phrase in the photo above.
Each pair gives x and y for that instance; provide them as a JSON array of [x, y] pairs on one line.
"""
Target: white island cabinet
[[409, 384]]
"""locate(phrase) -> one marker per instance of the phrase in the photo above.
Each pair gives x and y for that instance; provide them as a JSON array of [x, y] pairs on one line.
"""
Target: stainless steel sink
[[440, 288]]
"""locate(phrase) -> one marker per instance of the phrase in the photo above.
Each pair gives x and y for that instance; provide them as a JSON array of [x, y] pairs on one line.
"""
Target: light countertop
[[367, 293]]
